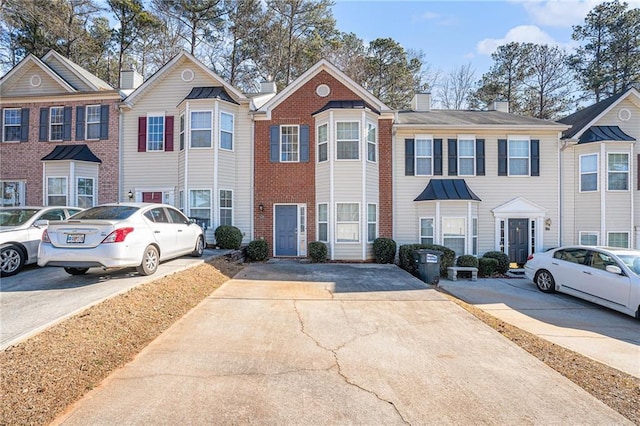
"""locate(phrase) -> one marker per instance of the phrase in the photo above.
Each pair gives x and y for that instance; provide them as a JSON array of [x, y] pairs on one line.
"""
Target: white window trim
[[211, 203], [326, 142], [358, 122], [628, 172], [518, 138], [471, 138], [465, 228], [93, 196], [4, 124], [297, 127], [164, 123], [415, 153], [233, 131], [220, 208], [619, 232], [359, 223], [66, 187], [596, 233], [597, 172], [86, 122], [51, 124], [370, 241], [433, 222], [374, 143], [210, 128], [322, 221], [182, 131], [475, 235]]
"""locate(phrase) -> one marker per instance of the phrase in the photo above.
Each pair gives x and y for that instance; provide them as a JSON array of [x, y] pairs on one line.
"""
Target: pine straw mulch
[[42, 376]]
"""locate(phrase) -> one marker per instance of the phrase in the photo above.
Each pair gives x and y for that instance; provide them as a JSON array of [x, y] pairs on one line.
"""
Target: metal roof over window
[[357, 104], [447, 189], [214, 92], [604, 133], [72, 152]]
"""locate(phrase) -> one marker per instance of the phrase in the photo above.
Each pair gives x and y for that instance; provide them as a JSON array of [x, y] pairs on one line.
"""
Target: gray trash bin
[[428, 265]]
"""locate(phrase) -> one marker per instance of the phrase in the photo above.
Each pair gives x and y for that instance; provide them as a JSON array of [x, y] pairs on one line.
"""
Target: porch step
[[516, 272]]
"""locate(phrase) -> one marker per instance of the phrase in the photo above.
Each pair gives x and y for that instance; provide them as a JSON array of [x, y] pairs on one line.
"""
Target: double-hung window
[[348, 140], [371, 142], [11, 123], [453, 234], [92, 130], [56, 123], [226, 207], [347, 223], [519, 157], [372, 222], [155, 133], [201, 129], [588, 238], [200, 204], [226, 131], [618, 239], [466, 156], [181, 132], [85, 189], [56, 191], [426, 230], [618, 172], [323, 139], [474, 236], [323, 222], [424, 156], [289, 144], [588, 172]]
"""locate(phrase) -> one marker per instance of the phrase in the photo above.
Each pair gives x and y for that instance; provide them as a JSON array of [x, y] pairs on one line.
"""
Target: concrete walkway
[[599, 333], [287, 343]]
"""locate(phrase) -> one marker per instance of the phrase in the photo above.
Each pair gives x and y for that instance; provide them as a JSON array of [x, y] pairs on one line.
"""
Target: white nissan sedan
[[120, 235], [607, 276]]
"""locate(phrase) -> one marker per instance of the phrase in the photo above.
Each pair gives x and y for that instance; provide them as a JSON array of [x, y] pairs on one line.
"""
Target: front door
[[286, 231], [152, 197], [518, 240]]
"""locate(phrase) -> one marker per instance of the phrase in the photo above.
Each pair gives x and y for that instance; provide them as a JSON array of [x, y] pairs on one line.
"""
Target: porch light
[[130, 195]]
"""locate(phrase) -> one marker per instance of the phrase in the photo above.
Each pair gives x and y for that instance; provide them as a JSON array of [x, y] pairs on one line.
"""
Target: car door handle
[[585, 272], [554, 263], [156, 232], [179, 230]]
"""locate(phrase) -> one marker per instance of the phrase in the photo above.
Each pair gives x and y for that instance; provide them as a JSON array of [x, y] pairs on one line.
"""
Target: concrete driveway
[[289, 343], [597, 332]]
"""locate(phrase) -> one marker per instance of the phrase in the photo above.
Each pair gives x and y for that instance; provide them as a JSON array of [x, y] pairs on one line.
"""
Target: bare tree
[[454, 91]]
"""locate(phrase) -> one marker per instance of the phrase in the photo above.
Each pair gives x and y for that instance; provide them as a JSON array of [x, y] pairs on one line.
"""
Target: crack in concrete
[[334, 353]]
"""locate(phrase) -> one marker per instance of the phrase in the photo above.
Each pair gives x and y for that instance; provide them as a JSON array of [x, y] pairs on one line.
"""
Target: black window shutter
[[535, 157], [304, 143], [66, 124], [274, 144], [409, 157], [502, 157], [24, 124], [104, 122], [43, 133], [479, 157], [437, 157], [80, 123], [452, 146]]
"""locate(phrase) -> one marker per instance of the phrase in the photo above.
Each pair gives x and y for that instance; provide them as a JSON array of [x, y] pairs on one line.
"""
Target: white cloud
[[558, 13], [519, 34]]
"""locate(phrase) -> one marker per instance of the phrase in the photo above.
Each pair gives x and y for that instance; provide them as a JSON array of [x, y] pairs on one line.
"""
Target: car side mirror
[[40, 223], [614, 269]]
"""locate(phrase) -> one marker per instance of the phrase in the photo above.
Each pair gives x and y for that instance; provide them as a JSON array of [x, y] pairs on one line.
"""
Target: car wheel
[[76, 271], [544, 281], [150, 261], [199, 249], [12, 260]]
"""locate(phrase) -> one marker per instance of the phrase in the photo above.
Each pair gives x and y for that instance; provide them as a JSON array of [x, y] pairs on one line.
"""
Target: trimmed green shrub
[[384, 250], [318, 251], [258, 250], [502, 258], [408, 263], [467, 260], [487, 266], [228, 237]]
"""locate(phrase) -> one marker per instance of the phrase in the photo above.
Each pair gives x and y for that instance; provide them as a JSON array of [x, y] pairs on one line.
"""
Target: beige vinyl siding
[[347, 181], [492, 189], [347, 251], [570, 181], [67, 75], [21, 85], [323, 184], [372, 183], [243, 194]]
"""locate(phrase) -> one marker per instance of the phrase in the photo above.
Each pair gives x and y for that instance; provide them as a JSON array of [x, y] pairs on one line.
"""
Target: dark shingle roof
[[604, 133], [357, 104], [72, 152], [215, 92], [579, 119], [447, 189], [467, 118]]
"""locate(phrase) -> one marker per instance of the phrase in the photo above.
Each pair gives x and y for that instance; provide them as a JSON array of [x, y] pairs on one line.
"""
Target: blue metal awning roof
[[447, 189], [604, 133], [72, 152], [213, 92], [354, 104]]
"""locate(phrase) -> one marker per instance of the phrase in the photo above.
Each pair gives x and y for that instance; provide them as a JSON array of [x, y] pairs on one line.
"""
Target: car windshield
[[106, 213], [16, 217], [632, 261]]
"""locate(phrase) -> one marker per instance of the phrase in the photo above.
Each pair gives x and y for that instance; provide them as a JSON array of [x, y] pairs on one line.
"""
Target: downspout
[[120, 154], [331, 208], [44, 184], [187, 144], [561, 147], [252, 166], [603, 210], [365, 208], [632, 241], [215, 197]]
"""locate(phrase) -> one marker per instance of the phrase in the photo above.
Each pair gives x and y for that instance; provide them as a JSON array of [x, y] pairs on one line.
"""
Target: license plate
[[75, 238]]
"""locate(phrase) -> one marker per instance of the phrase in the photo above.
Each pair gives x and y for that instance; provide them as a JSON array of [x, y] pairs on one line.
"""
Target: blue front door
[[286, 231]]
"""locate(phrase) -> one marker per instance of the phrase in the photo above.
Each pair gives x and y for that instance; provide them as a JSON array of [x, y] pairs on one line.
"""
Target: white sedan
[[607, 276], [20, 232], [120, 235]]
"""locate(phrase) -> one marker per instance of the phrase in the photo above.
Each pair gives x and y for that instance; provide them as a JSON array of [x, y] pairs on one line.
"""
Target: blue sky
[[454, 33]]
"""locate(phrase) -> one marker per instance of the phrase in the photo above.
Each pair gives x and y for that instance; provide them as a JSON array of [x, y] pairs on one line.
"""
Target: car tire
[[76, 271], [199, 249], [12, 260], [150, 261], [544, 281]]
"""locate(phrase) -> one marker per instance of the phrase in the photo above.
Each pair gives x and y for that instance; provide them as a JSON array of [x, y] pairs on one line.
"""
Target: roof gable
[[17, 74], [518, 206], [73, 73]]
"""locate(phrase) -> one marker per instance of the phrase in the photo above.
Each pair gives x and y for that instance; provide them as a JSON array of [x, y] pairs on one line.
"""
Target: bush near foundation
[[384, 250], [502, 258], [228, 237], [258, 250], [318, 251], [487, 266]]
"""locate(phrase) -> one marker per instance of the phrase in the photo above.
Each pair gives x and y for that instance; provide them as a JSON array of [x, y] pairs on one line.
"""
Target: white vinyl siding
[[618, 172], [348, 140], [56, 123], [424, 156], [57, 191], [92, 124], [347, 222], [289, 144], [588, 172]]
